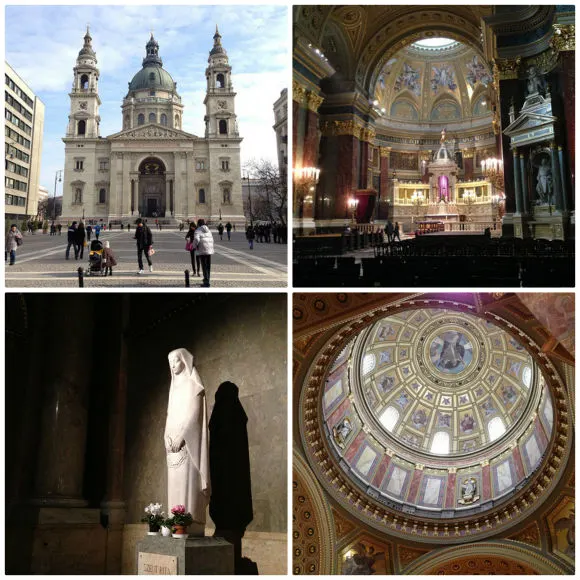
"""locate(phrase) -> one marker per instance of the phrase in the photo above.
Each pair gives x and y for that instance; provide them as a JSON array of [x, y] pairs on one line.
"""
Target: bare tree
[[269, 191]]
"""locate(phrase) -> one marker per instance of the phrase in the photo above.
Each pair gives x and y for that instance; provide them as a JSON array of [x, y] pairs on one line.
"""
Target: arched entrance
[[152, 188]]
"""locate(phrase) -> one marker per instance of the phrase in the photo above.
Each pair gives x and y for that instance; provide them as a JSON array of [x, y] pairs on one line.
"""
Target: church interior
[[433, 433], [453, 125], [87, 386]]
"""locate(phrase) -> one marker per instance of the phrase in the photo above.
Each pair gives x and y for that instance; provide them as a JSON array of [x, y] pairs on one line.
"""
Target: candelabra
[[493, 171], [498, 203], [417, 199], [305, 180], [353, 204], [469, 199]]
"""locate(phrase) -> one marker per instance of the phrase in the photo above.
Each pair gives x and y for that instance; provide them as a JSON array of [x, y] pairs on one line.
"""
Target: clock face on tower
[[222, 104]]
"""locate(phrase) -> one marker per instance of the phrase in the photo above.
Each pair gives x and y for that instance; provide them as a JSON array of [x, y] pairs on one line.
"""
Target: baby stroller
[[96, 259]]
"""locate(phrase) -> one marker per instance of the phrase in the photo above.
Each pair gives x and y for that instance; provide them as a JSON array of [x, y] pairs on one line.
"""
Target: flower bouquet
[[155, 518], [179, 521]]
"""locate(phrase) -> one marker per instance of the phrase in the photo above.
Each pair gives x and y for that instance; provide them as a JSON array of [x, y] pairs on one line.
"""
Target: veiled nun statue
[[187, 441]]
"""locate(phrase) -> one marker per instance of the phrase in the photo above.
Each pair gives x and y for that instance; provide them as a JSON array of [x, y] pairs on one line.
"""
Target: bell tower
[[220, 118], [83, 120]]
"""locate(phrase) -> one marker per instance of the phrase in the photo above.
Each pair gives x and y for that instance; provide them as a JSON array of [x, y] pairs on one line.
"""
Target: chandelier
[[493, 171]]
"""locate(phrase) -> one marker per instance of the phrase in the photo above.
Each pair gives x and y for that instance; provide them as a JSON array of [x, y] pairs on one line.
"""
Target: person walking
[[144, 239], [81, 241], [396, 233], [72, 241], [89, 231], [229, 230], [389, 231], [195, 259], [13, 240], [97, 231], [203, 242], [250, 235], [221, 230], [110, 259], [59, 227]]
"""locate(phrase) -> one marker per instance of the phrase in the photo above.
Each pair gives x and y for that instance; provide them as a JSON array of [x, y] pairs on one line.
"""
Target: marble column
[[346, 173], [364, 166], [468, 164], [69, 366], [517, 182], [524, 182], [557, 185], [383, 210], [563, 179]]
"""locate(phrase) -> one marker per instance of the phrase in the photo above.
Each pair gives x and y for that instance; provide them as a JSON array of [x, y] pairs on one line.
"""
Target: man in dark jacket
[[72, 241], [229, 230], [81, 239], [144, 239]]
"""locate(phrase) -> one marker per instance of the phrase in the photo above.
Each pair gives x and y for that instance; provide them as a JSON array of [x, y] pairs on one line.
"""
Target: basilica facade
[[152, 168]]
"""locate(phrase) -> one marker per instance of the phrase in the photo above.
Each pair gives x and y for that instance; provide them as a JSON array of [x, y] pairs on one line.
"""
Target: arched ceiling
[[445, 85]]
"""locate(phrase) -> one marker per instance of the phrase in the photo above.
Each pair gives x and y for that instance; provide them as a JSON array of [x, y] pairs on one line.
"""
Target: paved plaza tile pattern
[[41, 263]]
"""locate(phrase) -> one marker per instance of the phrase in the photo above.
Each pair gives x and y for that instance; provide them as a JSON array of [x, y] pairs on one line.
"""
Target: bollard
[[186, 278], [81, 280]]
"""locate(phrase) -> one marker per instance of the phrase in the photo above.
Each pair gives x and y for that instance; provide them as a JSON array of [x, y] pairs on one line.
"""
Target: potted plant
[[155, 518], [179, 521]]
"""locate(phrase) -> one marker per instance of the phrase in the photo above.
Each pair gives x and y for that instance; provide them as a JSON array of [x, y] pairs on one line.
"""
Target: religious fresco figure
[[186, 439], [341, 431]]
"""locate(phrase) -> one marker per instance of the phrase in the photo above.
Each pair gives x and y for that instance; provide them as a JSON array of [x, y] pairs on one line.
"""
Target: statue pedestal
[[168, 556], [549, 225]]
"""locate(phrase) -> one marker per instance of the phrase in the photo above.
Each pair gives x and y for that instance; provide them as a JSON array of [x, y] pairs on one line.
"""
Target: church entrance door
[[152, 188]]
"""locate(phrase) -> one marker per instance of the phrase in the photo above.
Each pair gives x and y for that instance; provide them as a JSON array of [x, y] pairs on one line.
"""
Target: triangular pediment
[[527, 121], [150, 131]]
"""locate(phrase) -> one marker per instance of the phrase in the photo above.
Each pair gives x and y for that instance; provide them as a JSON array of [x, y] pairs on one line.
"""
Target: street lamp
[[57, 177]]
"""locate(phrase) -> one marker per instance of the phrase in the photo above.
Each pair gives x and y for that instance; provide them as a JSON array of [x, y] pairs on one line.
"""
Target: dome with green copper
[[152, 75]]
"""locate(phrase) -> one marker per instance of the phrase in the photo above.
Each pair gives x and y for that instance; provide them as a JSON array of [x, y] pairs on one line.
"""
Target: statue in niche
[[544, 184], [186, 440], [469, 491], [361, 561], [535, 83]]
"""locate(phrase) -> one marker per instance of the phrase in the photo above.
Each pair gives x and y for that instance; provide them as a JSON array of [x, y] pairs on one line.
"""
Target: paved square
[[40, 263]]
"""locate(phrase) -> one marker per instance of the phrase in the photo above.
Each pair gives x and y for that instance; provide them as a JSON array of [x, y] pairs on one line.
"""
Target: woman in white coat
[[203, 243], [187, 440]]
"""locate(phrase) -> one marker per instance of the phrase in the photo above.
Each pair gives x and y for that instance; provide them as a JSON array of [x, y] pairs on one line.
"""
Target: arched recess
[[445, 109], [404, 109], [336, 43], [313, 530], [499, 557]]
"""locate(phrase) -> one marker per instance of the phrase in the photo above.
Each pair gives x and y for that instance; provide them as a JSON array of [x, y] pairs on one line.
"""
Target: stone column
[[364, 165], [69, 366], [563, 179], [524, 181], [516, 167], [346, 173], [384, 200], [557, 185], [468, 155]]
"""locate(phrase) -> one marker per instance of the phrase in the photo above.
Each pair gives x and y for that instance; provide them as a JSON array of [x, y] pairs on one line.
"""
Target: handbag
[[151, 251], [19, 240], [189, 246]]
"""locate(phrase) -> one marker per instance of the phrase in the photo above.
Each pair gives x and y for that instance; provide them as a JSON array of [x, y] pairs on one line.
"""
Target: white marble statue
[[187, 440], [544, 181]]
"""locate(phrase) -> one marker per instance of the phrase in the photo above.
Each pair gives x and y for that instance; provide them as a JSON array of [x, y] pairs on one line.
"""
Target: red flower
[[178, 509]]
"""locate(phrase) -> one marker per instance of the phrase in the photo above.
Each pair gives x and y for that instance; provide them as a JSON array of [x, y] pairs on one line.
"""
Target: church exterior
[[152, 168]]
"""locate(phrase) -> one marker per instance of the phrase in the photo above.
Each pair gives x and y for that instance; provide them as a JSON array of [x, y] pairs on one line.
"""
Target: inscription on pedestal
[[155, 564]]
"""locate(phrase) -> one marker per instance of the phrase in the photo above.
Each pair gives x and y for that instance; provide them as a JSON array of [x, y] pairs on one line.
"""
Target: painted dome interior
[[428, 403], [434, 80]]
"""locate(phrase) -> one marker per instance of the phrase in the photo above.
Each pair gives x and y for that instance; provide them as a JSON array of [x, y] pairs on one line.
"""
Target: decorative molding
[[313, 101], [298, 93], [337, 128], [506, 69], [564, 38], [385, 151]]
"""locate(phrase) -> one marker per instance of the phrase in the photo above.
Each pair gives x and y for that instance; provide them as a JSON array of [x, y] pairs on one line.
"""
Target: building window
[[389, 418], [103, 164], [202, 196], [220, 81], [81, 127], [495, 428], [164, 119], [200, 165], [127, 123], [225, 165], [227, 195], [102, 195], [85, 82], [152, 93], [152, 118], [176, 125], [141, 119], [440, 444], [223, 127], [79, 165]]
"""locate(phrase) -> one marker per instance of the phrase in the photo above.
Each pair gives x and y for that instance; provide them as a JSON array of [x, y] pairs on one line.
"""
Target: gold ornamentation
[[314, 101], [331, 128], [544, 62], [298, 93], [385, 151], [368, 134], [506, 68], [564, 38]]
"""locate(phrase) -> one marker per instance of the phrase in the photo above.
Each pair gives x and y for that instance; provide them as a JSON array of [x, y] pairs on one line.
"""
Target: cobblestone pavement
[[40, 263]]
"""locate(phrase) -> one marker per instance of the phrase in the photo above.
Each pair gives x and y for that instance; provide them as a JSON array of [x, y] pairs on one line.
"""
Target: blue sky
[[43, 42]]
